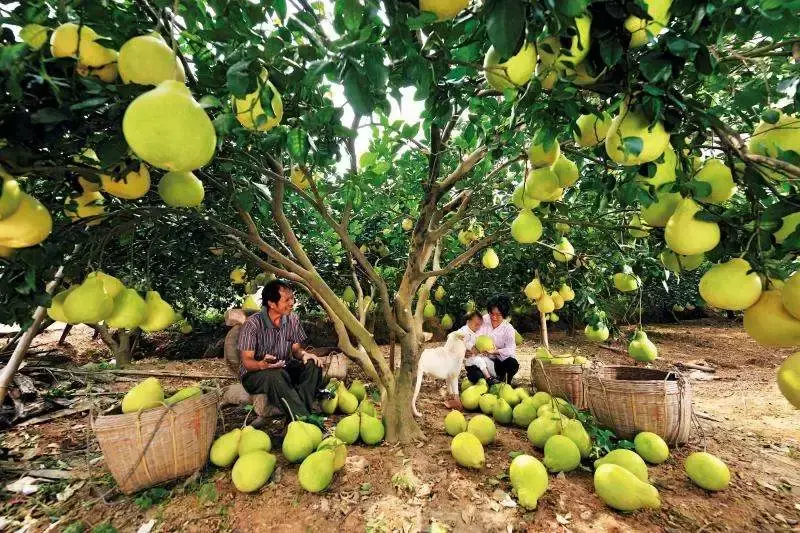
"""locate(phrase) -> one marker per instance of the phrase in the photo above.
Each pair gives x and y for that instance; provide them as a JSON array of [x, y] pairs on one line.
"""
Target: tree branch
[[283, 223], [463, 168], [465, 256]]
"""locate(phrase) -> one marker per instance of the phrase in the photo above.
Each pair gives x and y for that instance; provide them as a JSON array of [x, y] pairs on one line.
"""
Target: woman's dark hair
[[272, 291], [472, 315], [501, 302]]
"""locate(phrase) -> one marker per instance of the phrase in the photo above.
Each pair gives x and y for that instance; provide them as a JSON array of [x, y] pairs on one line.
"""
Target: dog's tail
[[416, 390]]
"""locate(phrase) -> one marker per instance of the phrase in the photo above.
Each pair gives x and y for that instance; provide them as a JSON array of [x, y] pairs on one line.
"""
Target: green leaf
[[419, 22], [357, 91], [655, 67], [610, 51], [49, 115], [240, 78], [91, 103], [367, 159], [245, 200], [700, 188], [353, 13], [505, 24], [112, 150], [280, 8], [571, 8], [297, 144], [632, 145], [704, 61], [272, 46], [683, 48]]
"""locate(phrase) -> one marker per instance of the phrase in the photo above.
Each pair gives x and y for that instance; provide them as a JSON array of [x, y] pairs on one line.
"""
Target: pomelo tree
[[232, 107]]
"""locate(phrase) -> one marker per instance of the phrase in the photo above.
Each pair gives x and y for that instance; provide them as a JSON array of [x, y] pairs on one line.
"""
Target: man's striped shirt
[[260, 335]]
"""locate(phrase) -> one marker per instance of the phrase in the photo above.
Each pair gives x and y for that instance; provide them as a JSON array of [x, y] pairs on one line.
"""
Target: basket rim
[[670, 376], [106, 422], [550, 366]]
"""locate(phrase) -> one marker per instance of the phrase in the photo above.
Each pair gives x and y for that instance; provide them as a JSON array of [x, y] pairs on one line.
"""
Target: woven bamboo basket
[[336, 366], [157, 445], [629, 399], [564, 381]]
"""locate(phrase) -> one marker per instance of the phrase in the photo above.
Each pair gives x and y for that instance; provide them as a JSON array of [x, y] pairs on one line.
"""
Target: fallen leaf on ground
[[147, 527], [24, 485]]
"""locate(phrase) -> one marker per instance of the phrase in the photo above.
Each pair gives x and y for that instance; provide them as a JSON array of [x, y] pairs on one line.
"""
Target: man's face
[[285, 305], [475, 323]]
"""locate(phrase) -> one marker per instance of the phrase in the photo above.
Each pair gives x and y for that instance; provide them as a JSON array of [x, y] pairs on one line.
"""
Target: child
[[476, 365]]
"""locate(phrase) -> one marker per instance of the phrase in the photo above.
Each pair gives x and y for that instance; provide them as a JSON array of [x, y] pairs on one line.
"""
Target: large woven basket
[[629, 399], [564, 381], [157, 445]]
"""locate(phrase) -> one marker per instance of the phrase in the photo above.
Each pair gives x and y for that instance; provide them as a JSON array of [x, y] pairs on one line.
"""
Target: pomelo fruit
[[149, 60], [167, 128]]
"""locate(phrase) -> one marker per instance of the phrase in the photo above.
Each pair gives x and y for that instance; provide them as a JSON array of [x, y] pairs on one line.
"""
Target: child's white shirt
[[481, 361]]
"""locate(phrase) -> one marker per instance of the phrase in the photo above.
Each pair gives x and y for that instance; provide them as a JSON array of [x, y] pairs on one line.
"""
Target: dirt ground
[[743, 419]]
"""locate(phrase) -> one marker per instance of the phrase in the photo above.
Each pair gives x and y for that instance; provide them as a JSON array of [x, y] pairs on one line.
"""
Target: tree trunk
[[122, 351], [397, 416]]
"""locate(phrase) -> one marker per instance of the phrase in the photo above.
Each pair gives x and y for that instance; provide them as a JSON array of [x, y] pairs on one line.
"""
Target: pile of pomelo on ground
[[620, 477]]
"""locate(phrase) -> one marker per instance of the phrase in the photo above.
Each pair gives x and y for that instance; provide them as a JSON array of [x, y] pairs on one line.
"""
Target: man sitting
[[273, 361]]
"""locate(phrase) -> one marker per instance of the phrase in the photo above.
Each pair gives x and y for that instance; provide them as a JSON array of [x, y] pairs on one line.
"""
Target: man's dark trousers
[[297, 383]]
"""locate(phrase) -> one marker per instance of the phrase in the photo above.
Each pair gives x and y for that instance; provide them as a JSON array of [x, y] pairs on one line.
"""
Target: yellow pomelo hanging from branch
[[642, 30], [526, 228], [566, 170], [542, 184], [731, 285], [783, 134], [553, 54], [28, 225], [769, 324], [89, 303], [665, 171], [148, 60], [68, 41], [160, 314], [444, 9], [512, 73], [134, 185], [626, 128], [687, 235], [130, 310], [249, 111], [86, 205], [592, 129], [720, 178], [167, 128], [490, 259], [657, 214], [543, 155], [181, 189], [10, 198]]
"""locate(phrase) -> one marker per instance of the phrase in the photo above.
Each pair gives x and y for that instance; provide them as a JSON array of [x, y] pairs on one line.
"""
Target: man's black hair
[[272, 291], [500, 301], [472, 315]]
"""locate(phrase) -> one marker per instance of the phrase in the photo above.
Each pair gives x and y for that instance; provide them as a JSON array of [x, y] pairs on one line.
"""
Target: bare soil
[[742, 418]]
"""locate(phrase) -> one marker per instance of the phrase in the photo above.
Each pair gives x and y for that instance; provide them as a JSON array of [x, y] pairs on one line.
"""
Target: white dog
[[443, 362]]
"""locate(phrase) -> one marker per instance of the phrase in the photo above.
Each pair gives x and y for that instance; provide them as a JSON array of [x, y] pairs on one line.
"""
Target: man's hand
[[311, 357], [270, 362]]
